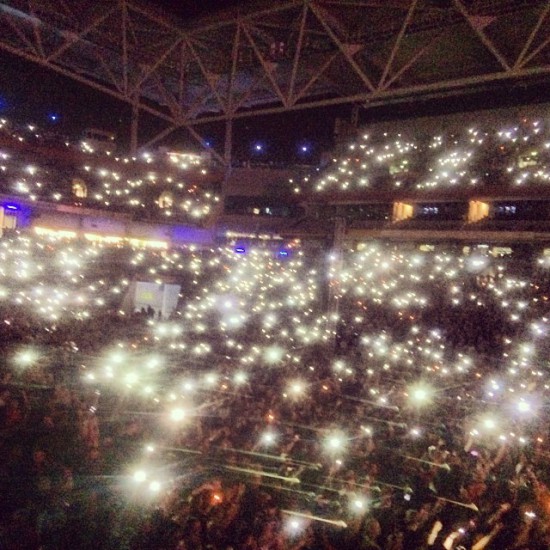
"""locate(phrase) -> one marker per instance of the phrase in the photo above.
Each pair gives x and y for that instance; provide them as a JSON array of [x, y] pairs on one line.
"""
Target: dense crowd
[[386, 396], [164, 185], [505, 152]]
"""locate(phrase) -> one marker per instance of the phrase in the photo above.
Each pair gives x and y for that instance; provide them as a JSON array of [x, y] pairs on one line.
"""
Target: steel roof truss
[[207, 76], [534, 53], [397, 43], [321, 16], [318, 74], [269, 69], [74, 38], [234, 66], [486, 41], [297, 55], [147, 73], [414, 58], [20, 33], [529, 42]]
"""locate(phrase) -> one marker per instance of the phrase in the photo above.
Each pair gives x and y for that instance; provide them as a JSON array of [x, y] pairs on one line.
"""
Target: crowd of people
[[159, 186], [507, 152], [384, 396]]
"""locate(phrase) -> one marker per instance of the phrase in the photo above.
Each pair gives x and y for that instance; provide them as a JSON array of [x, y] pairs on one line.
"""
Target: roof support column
[[134, 128], [125, 46], [227, 154], [336, 259]]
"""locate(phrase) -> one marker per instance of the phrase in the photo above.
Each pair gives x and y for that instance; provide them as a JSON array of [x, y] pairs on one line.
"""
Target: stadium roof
[[268, 57]]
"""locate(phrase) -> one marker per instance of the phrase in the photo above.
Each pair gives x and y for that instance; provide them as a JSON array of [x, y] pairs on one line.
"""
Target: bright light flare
[[296, 388], [420, 394], [476, 263], [154, 486], [131, 378], [268, 438], [295, 526], [335, 443], [489, 423], [210, 379], [177, 414], [117, 357], [168, 330], [139, 476], [273, 354], [525, 407], [188, 386], [240, 378], [26, 357], [359, 504]]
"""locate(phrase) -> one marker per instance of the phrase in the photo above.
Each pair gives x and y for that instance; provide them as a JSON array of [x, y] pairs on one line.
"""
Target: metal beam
[[161, 135], [297, 53], [107, 38], [354, 65], [5, 17], [200, 139], [182, 66], [168, 130], [268, 70], [155, 18], [124, 9], [74, 38], [260, 77], [397, 43], [36, 30], [194, 109], [83, 80], [204, 72], [387, 97], [158, 63], [194, 134], [227, 155], [234, 64], [134, 127], [173, 105], [101, 60], [318, 74], [487, 42], [532, 35], [534, 53], [228, 142], [221, 22], [422, 51]]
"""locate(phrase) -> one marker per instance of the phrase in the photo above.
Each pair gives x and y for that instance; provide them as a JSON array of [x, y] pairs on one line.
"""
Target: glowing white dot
[[177, 414], [154, 486], [140, 476]]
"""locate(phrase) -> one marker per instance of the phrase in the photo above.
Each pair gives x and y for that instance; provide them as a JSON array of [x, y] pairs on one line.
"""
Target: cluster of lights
[[170, 184], [443, 160], [245, 314]]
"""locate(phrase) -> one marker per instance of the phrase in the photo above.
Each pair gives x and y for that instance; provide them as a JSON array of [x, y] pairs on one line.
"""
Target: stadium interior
[[203, 351]]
